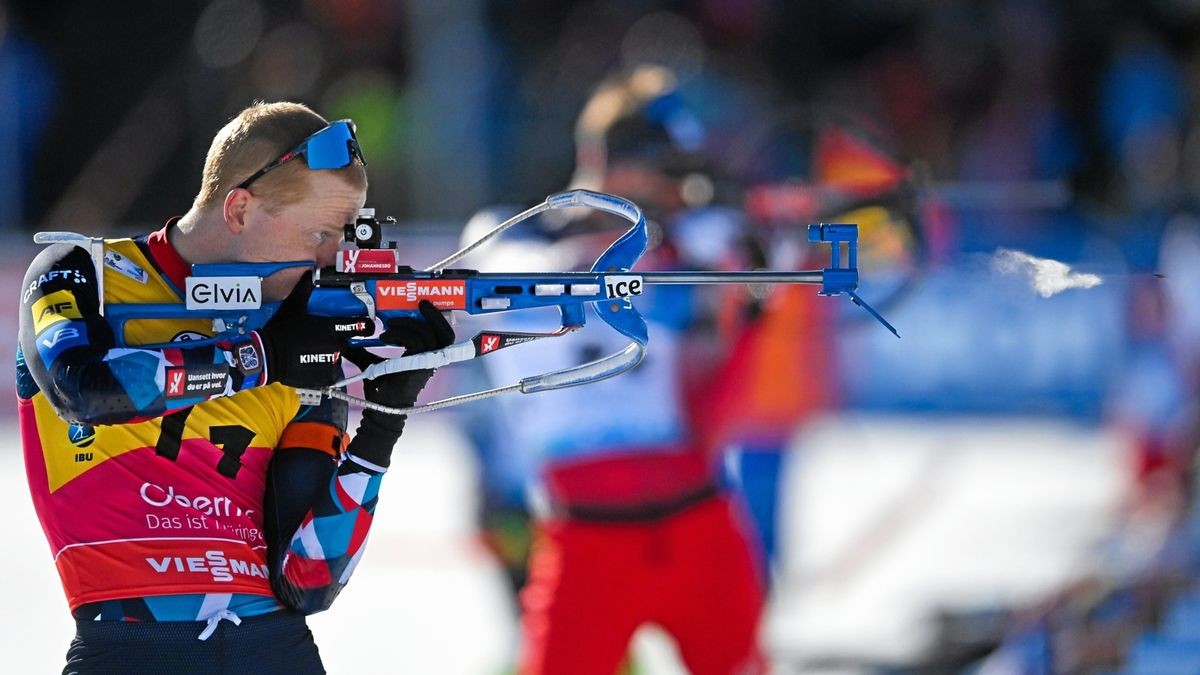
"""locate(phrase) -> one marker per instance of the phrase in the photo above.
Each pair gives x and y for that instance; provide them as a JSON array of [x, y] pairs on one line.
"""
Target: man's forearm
[[118, 386], [315, 550]]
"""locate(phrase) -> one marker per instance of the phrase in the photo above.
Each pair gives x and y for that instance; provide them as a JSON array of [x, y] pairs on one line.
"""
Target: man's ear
[[236, 209]]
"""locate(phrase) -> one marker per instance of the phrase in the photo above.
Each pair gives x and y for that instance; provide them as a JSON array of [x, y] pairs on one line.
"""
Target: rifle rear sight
[[367, 231]]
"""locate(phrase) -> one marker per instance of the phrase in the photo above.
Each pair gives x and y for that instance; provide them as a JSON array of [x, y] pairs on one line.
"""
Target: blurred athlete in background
[[633, 520]]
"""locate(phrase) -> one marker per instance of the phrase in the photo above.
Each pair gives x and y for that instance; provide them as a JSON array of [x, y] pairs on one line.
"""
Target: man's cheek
[[327, 253]]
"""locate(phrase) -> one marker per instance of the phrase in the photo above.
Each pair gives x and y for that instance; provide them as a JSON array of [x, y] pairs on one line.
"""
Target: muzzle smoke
[[1046, 276]]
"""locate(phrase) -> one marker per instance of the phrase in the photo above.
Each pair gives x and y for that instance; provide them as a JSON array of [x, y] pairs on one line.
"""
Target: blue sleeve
[[71, 355], [319, 508]]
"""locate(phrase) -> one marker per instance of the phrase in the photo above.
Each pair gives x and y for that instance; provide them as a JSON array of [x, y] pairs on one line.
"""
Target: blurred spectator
[[1150, 399], [1141, 110], [27, 98]]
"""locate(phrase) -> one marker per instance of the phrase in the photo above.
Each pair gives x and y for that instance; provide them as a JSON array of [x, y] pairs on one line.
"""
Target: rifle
[[368, 280]]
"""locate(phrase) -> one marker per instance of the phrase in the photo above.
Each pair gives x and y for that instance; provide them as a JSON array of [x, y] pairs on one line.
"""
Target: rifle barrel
[[816, 277], [764, 277]]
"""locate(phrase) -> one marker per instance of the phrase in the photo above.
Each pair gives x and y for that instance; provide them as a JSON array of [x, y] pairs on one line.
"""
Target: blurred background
[[1009, 488]]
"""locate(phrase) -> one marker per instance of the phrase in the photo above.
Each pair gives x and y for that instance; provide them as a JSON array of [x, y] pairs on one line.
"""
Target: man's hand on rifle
[[302, 350], [379, 431]]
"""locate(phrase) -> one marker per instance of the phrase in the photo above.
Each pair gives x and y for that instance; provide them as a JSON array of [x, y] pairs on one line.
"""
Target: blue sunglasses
[[333, 147]]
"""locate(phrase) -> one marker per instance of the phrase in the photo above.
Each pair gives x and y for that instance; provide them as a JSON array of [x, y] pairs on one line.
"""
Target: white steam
[[1046, 276]]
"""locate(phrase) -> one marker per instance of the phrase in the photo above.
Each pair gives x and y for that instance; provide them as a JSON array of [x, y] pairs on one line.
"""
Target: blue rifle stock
[[393, 291]]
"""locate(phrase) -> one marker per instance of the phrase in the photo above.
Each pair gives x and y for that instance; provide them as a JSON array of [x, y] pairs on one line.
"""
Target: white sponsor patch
[[622, 286], [224, 292], [125, 266]]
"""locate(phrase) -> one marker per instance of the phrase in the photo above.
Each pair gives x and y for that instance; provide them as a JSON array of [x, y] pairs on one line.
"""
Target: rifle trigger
[[359, 289]]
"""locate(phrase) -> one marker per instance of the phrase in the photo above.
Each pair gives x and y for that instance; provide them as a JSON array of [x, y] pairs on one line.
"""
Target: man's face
[[308, 230]]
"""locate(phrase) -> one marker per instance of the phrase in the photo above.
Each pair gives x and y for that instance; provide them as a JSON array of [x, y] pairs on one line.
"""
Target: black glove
[[302, 350], [379, 431]]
